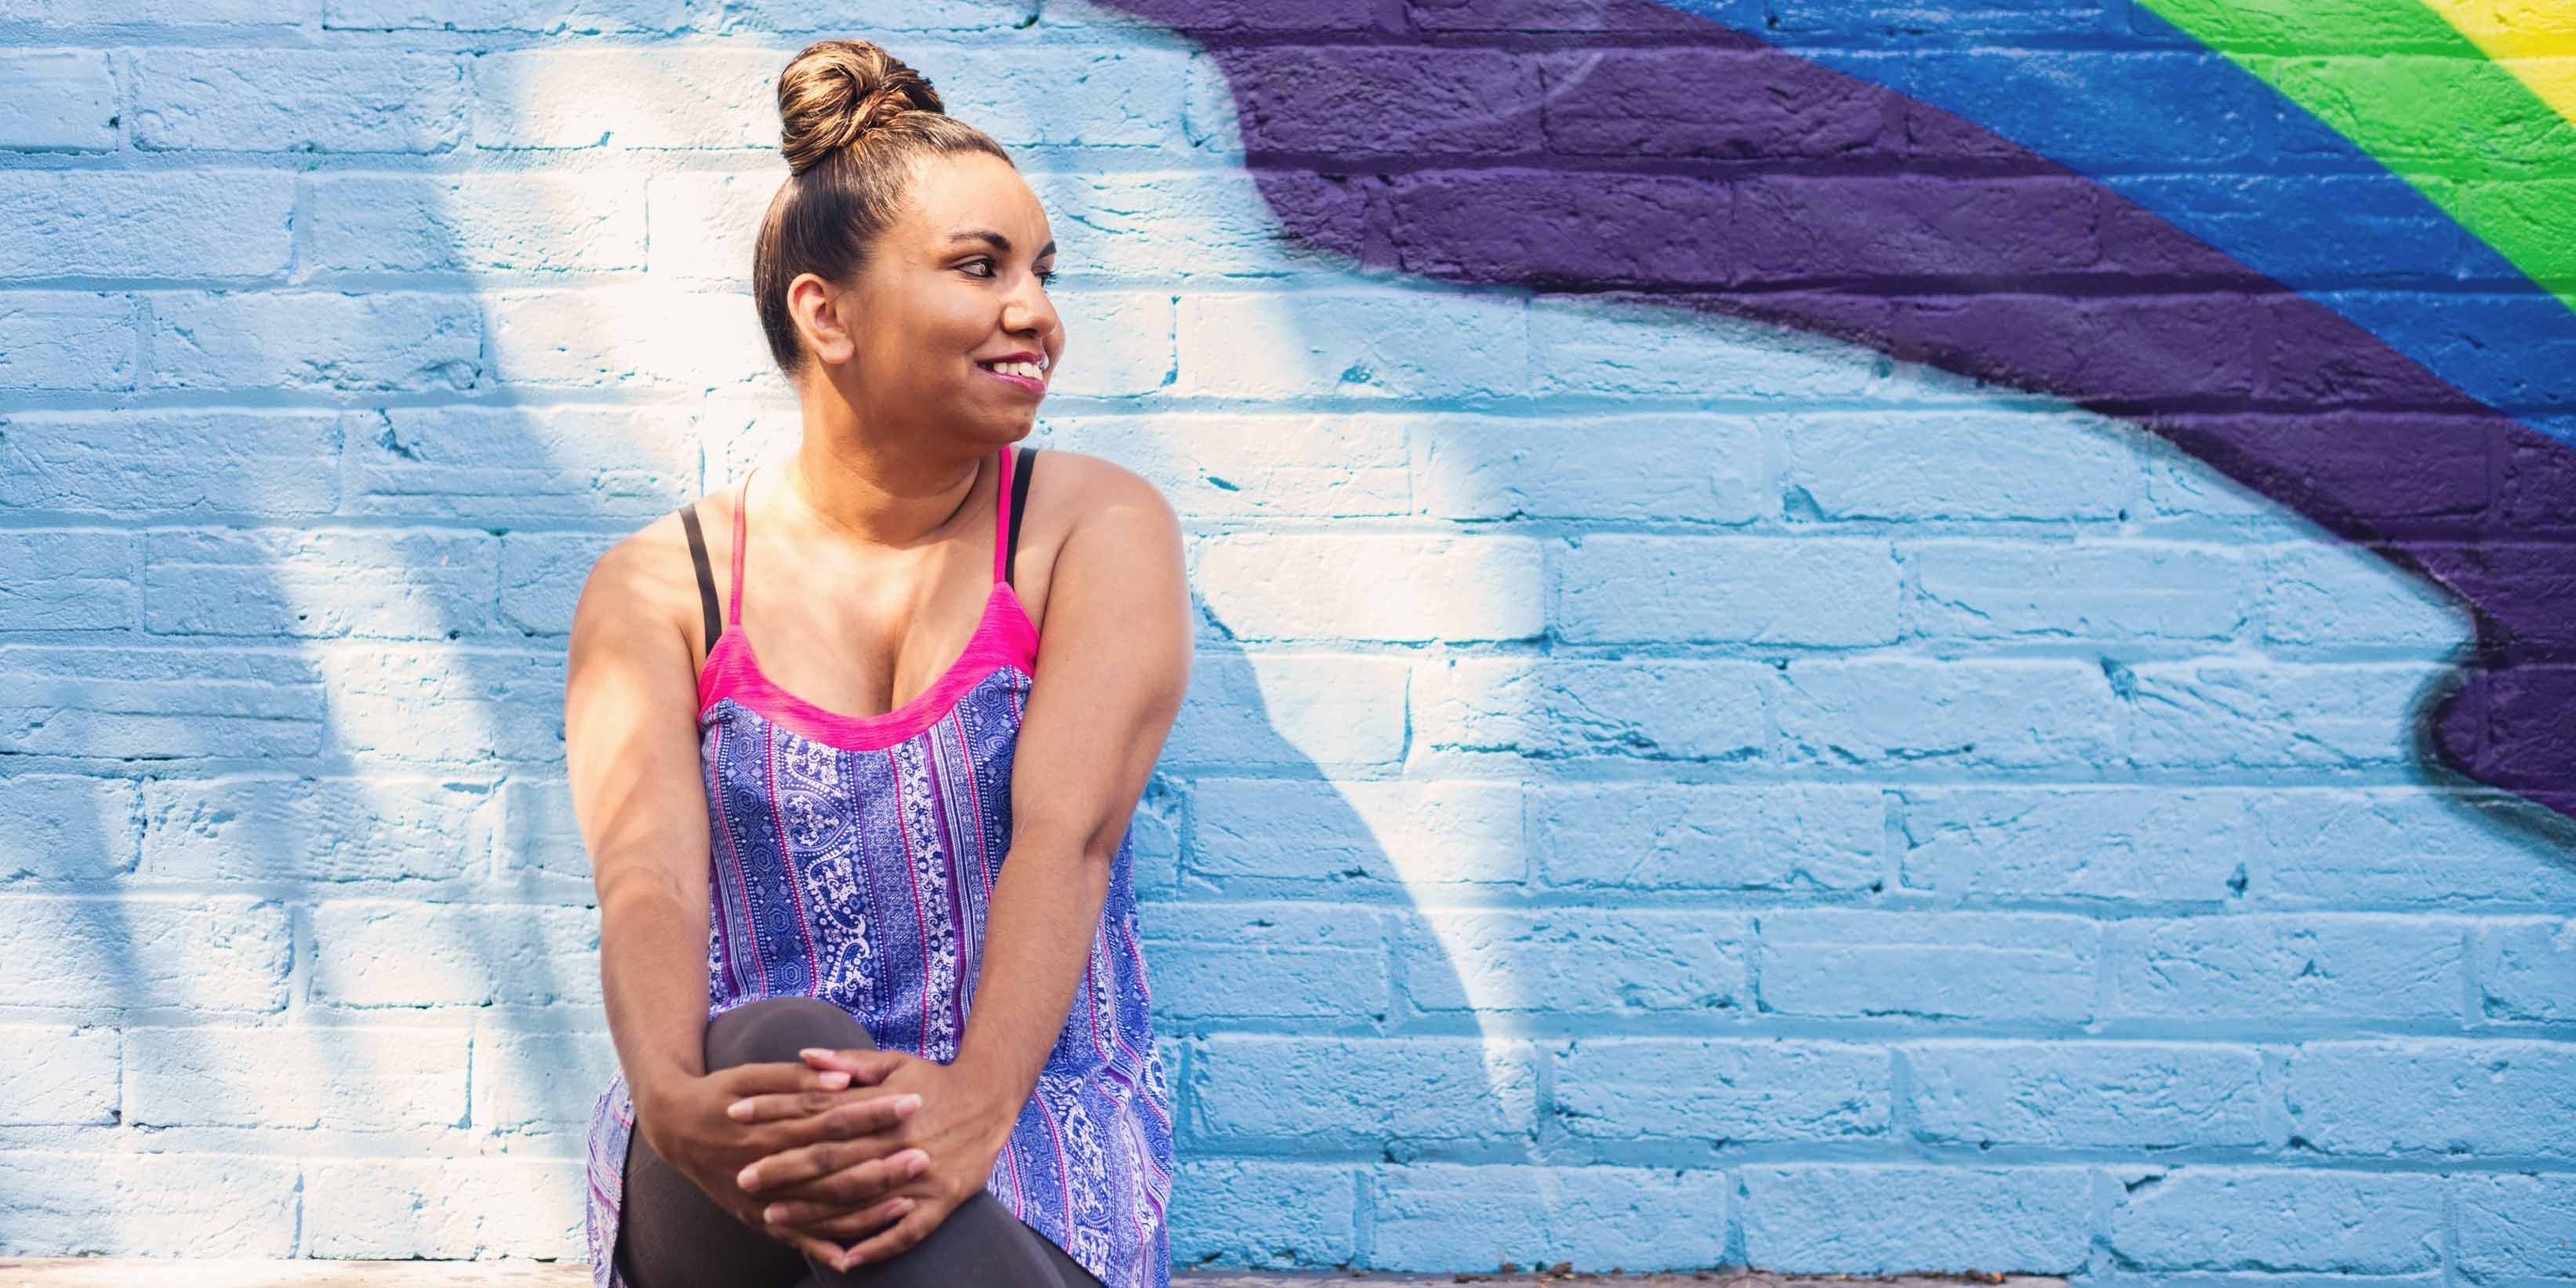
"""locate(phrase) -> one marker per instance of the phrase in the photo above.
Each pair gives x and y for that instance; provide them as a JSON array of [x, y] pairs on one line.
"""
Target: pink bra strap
[[741, 506], [1002, 515]]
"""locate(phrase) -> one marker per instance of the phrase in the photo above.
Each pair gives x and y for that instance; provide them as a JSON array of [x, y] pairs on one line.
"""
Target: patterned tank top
[[853, 860]]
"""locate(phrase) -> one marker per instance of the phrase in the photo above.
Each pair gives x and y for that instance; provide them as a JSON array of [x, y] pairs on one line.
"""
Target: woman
[[901, 1060]]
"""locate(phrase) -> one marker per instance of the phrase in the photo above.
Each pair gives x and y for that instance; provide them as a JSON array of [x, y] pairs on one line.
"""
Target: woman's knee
[[773, 1029]]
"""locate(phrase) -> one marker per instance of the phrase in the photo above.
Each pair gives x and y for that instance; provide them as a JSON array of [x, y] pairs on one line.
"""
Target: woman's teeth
[[1027, 369]]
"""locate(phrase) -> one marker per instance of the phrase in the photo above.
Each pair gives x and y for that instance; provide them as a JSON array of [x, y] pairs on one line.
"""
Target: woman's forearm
[[1037, 944], [653, 984]]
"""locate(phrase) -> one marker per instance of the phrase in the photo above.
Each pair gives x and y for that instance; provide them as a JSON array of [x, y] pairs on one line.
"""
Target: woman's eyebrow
[[996, 241]]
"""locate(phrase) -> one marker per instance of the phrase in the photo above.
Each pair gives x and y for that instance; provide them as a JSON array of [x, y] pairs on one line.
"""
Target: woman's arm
[[1114, 665], [630, 744], [1111, 673]]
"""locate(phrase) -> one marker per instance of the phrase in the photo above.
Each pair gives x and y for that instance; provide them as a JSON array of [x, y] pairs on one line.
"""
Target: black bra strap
[[706, 576], [1019, 506]]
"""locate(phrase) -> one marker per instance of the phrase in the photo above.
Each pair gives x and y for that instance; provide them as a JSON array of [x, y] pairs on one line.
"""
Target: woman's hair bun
[[835, 91]]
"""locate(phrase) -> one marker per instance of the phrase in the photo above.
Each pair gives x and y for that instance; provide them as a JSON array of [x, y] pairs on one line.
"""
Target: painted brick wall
[[1656, 790]]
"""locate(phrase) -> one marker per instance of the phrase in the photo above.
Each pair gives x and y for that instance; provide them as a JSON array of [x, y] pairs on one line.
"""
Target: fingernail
[[774, 1212], [813, 1053], [919, 1161], [738, 1109], [746, 1176], [906, 1104], [835, 1079]]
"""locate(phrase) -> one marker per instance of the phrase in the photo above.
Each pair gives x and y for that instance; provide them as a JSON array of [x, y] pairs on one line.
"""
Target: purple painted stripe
[[1704, 170]]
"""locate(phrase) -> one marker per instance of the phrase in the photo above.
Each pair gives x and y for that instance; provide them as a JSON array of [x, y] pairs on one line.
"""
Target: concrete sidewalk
[[180, 1272]]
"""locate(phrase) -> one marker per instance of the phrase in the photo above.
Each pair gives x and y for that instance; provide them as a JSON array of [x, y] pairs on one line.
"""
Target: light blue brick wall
[[1654, 791]]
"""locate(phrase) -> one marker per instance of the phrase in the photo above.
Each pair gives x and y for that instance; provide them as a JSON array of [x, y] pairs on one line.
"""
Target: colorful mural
[[2327, 251]]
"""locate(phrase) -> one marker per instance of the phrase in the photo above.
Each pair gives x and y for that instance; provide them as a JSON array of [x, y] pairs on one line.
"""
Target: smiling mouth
[[1034, 383]]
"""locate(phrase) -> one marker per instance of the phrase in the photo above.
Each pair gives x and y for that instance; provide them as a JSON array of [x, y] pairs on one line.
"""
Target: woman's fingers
[[804, 1163], [836, 1221], [779, 1077], [875, 1113]]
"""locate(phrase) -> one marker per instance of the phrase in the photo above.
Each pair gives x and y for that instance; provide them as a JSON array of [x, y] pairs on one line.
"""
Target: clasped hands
[[845, 1143]]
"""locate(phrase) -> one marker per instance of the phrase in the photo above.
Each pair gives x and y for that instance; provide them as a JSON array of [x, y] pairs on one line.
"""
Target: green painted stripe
[[2466, 132]]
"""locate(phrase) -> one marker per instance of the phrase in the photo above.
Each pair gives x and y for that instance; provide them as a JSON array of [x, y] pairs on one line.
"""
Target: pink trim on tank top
[[1004, 636]]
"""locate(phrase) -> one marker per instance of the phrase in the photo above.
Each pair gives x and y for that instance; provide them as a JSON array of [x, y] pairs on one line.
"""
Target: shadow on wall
[[1708, 170]]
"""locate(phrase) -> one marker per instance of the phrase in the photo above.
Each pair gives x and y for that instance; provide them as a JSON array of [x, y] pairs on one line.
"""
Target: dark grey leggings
[[671, 1235]]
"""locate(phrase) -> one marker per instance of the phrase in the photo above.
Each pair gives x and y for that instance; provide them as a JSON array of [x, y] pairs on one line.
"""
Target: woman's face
[[956, 283]]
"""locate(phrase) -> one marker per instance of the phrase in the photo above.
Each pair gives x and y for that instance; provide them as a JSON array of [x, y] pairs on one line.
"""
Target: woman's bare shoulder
[[647, 577]]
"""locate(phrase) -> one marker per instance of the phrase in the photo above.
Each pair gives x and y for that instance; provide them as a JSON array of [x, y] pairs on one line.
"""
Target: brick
[[2433, 1097], [1417, 833], [1879, 1219], [57, 100], [2222, 1219], [625, 337], [1290, 711], [1720, 1093], [2525, 969], [2104, 590], [541, 578], [180, 223], [1265, 960], [538, 1082], [1654, 468], [447, 705], [1991, 465], [445, 1208], [2404, 846], [581, 16], [1623, 837], [185, 463], [1256, 464], [2515, 1225], [1393, 587], [1550, 708], [301, 1076], [1620, 344], [2086, 1094], [376, 953], [161, 704], [1807, 591], [319, 583], [2110, 843], [1576, 961], [2004, 713], [67, 581], [1437, 1216], [1349, 346], [2275, 967], [2339, 597], [405, 341], [202, 952], [1207, 228], [1320, 1093], [492, 223], [538, 831], [295, 100], [515, 465], [202, 1205], [58, 1074], [1268, 1215], [2226, 714], [1928, 965], [315, 830], [703, 226], [65, 828], [703, 97], [81, 341]]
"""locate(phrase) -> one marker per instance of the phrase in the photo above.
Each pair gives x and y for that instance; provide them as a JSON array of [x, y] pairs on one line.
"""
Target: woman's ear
[[822, 316]]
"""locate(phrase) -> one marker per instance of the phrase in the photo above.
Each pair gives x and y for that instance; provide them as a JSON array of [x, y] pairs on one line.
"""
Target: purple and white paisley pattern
[[862, 878]]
